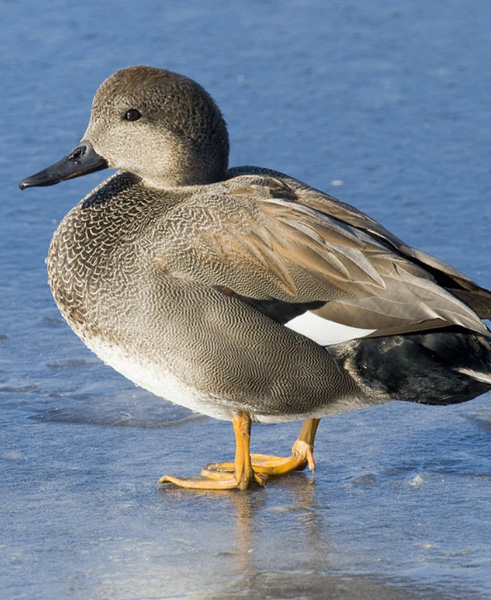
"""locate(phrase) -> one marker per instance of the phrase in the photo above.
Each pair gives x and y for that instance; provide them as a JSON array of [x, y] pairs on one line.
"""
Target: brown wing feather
[[267, 238], [385, 291], [478, 298]]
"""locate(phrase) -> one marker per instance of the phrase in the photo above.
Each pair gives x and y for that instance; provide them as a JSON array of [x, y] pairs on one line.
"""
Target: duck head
[[158, 125]]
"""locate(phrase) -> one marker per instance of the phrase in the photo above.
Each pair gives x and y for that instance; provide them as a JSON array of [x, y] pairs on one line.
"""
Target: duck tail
[[439, 367]]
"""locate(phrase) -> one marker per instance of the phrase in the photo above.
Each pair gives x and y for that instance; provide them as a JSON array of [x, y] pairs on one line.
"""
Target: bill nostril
[[78, 153]]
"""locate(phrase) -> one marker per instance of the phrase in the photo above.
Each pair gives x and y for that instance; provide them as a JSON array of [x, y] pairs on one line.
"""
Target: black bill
[[80, 161]]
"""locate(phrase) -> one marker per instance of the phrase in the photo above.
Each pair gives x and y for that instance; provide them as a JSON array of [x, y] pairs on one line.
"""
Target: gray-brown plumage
[[217, 288]]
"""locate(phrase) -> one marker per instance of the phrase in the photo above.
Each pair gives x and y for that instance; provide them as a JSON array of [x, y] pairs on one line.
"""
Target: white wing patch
[[483, 377], [324, 332]]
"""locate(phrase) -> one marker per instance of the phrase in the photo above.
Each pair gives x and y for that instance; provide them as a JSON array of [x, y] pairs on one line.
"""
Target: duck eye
[[132, 115]]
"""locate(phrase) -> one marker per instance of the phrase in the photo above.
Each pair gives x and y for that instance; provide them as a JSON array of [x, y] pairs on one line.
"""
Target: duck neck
[[188, 164]]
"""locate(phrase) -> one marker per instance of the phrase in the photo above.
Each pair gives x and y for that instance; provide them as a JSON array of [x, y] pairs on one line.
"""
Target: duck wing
[[261, 239], [478, 298]]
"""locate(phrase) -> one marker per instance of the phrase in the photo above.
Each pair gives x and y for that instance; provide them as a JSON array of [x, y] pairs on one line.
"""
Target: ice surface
[[384, 104]]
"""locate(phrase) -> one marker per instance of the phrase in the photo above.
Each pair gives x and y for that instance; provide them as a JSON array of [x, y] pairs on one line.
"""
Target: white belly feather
[[153, 377]]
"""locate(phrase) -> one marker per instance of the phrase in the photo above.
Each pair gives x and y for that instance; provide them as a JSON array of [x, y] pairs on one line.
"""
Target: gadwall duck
[[243, 293]]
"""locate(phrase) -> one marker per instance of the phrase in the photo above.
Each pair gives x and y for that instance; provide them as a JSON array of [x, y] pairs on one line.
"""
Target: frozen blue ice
[[383, 104]]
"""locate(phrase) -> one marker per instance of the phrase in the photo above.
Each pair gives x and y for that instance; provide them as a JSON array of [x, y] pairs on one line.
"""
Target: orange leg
[[301, 456], [240, 476]]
